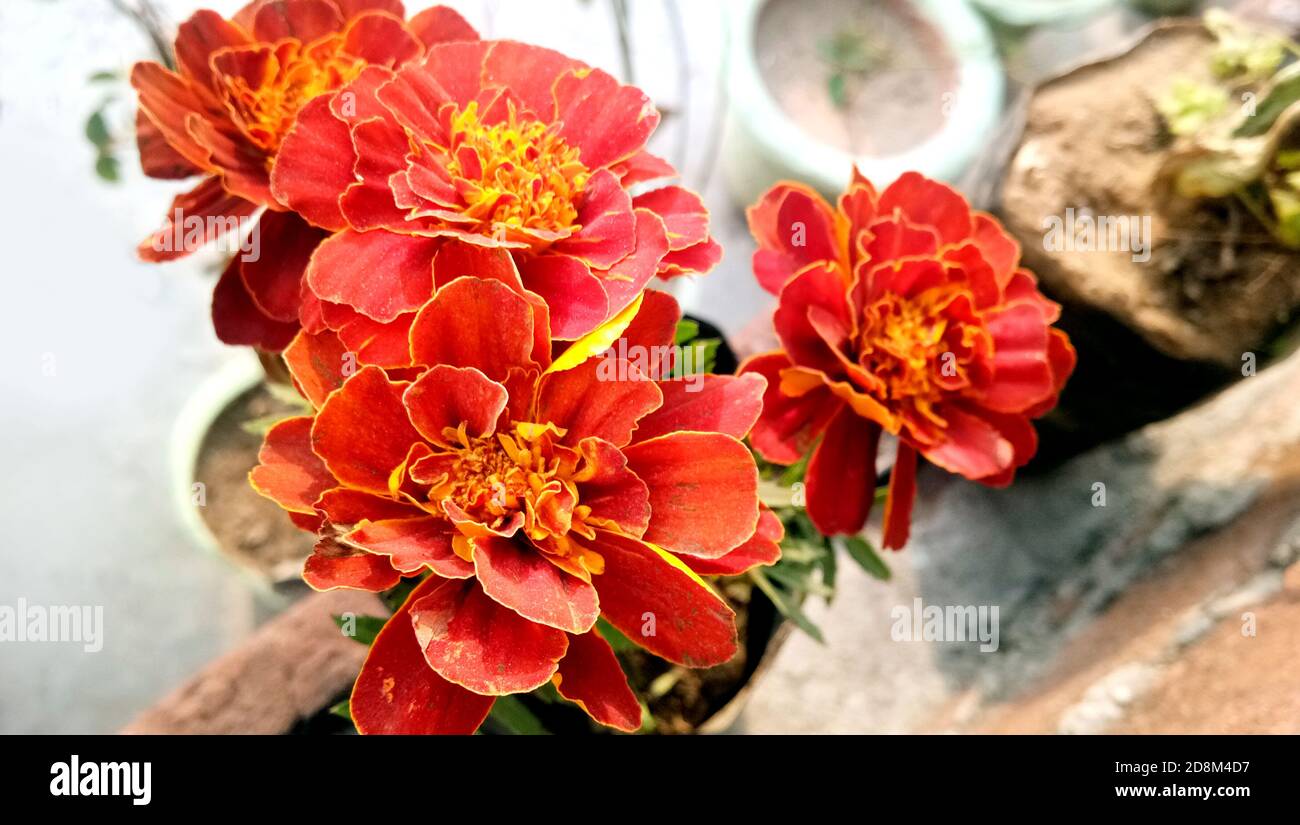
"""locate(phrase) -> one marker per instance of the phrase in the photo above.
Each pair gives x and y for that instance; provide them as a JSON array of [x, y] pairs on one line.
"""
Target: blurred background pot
[[818, 85]]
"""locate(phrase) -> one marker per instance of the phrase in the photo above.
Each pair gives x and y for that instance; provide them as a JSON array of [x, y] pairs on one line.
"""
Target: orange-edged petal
[[450, 396], [842, 474], [654, 600], [602, 397], [591, 676], [207, 212], [441, 24], [627, 279], [381, 39], [303, 20], [196, 39], [287, 470], [379, 344], [762, 548], [683, 213], [927, 202], [319, 364], [274, 279], [643, 167], [607, 121], [653, 330], [972, 446], [481, 645], [334, 565], [314, 165], [1022, 371], [472, 322], [516, 575], [608, 233], [574, 296], [362, 431], [618, 498], [412, 544], [398, 693], [344, 506], [814, 320], [168, 101], [902, 492], [727, 404], [788, 426], [379, 274], [239, 322], [157, 158], [794, 227], [703, 491], [530, 73]]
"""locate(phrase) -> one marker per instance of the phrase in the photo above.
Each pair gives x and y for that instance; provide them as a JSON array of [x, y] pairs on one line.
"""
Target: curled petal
[[287, 470], [517, 576], [591, 676], [362, 432]]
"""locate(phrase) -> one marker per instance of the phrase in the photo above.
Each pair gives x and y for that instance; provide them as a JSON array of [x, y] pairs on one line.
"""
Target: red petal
[[412, 544], [902, 492], [788, 426], [575, 297], [530, 73], [207, 212], [607, 121], [477, 323], [318, 363], [334, 565], [602, 397], [660, 606], [684, 215], [703, 491], [381, 39], [842, 474], [608, 233], [1022, 371], [239, 322], [398, 693], [763, 548], [343, 506], [627, 279], [382, 345], [448, 396], [168, 101], [927, 202], [613, 492], [288, 472], [794, 227], [274, 279], [441, 24], [379, 274], [362, 432], [475, 642], [314, 165], [653, 331], [972, 446], [643, 167], [591, 676], [157, 158], [813, 308], [196, 39], [517, 576], [303, 20], [727, 404]]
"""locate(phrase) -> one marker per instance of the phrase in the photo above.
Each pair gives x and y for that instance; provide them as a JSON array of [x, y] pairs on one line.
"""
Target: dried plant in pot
[[1171, 286]]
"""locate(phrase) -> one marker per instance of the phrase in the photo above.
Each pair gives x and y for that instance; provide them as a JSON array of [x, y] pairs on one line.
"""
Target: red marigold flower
[[495, 144], [904, 312], [536, 493], [224, 113]]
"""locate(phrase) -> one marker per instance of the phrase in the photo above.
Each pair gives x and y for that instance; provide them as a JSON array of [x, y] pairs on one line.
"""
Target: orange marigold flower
[[535, 495], [904, 312], [224, 113], [496, 144]]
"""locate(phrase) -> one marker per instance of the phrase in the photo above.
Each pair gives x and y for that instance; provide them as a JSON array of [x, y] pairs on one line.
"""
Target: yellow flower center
[[515, 174], [292, 76]]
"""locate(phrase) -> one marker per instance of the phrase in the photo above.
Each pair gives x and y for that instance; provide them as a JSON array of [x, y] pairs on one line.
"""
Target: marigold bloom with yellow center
[[494, 144], [533, 494], [901, 312], [224, 113]]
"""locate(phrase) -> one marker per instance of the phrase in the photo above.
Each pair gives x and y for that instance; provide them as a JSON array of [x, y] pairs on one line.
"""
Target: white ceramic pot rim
[[235, 377], [1037, 13], [975, 106]]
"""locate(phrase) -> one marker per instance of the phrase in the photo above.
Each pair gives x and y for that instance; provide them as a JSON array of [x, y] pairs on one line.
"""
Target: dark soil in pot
[[1156, 335], [250, 529], [866, 76]]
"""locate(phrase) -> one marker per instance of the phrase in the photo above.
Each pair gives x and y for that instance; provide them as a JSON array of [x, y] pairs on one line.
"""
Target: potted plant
[[890, 86]]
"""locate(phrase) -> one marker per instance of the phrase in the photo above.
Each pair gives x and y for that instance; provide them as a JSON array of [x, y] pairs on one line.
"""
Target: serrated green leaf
[[865, 555]]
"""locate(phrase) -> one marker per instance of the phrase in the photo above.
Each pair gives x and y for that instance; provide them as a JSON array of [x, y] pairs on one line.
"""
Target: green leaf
[[1244, 54], [1188, 106], [97, 130], [105, 76], [788, 605], [866, 557], [835, 87], [514, 718], [366, 627], [395, 596], [1283, 91], [687, 330], [343, 710], [106, 166]]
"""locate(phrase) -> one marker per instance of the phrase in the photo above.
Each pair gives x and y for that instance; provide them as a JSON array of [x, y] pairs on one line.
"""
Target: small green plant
[[850, 55]]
